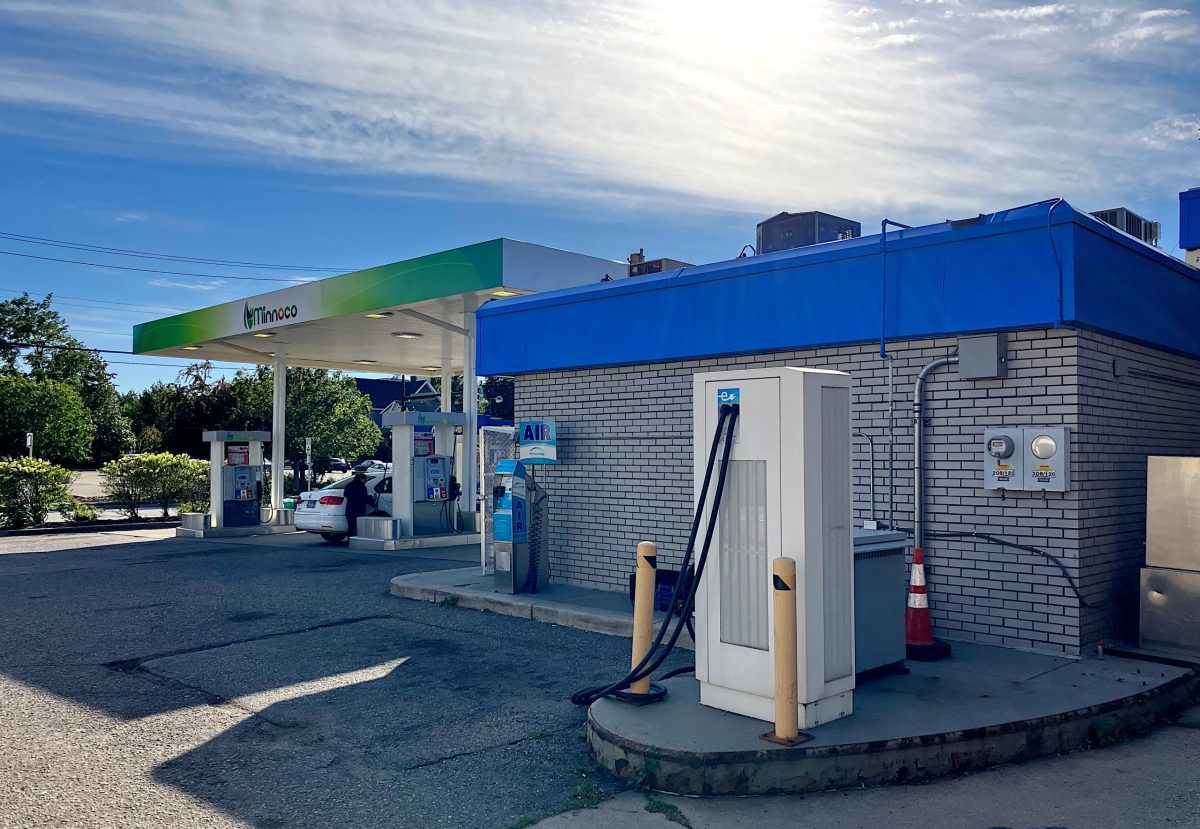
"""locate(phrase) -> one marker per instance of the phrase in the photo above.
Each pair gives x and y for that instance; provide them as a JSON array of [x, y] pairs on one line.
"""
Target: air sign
[[538, 441]]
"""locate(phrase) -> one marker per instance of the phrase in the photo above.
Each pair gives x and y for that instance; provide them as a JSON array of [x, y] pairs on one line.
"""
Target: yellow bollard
[[643, 609], [783, 579]]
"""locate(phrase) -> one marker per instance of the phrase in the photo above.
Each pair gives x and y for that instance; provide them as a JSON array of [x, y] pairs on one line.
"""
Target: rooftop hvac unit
[[785, 231], [650, 266], [1126, 221]]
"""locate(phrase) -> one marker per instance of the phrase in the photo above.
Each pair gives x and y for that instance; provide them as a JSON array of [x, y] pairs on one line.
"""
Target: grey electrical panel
[[1034, 458], [983, 357]]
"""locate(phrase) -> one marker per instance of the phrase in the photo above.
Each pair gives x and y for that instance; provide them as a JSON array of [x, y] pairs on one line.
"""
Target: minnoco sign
[[264, 315]]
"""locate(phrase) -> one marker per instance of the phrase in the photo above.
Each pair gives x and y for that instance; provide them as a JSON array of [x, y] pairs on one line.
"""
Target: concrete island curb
[[906, 760], [526, 606]]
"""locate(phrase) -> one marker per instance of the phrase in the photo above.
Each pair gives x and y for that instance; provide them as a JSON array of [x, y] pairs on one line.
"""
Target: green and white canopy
[[408, 317]]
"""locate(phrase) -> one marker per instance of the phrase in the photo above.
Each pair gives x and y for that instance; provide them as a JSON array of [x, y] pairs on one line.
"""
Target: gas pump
[[424, 489], [518, 526], [242, 485], [236, 478]]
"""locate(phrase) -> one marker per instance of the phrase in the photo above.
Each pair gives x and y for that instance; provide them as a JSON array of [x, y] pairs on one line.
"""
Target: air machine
[[519, 530], [787, 493]]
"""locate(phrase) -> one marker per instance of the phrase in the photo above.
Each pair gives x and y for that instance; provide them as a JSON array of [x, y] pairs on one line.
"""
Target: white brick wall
[[625, 474]]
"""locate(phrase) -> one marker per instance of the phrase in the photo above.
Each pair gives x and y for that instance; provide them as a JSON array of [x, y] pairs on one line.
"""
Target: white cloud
[[209, 285], [689, 103], [1028, 12]]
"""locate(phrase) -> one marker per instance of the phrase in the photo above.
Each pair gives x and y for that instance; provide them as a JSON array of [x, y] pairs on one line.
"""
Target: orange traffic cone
[[918, 631]]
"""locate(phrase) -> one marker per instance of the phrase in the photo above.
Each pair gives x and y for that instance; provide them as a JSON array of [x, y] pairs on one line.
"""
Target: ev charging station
[[788, 494]]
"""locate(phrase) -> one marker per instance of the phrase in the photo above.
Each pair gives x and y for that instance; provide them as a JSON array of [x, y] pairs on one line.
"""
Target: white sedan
[[324, 511]]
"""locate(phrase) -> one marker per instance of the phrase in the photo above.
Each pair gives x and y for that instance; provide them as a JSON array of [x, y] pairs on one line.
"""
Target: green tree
[[54, 412], [321, 404], [496, 397], [35, 342]]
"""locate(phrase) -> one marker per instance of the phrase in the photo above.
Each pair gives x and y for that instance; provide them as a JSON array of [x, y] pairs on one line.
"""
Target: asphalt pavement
[[149, 681]]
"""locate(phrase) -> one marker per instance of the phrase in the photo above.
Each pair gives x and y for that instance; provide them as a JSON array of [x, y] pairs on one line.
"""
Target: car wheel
[[334, 538]]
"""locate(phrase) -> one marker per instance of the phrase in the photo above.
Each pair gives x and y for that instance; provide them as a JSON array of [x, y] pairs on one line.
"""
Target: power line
[[150, 270], [143, 254], [4, 344], [57, 300], [96, 331]]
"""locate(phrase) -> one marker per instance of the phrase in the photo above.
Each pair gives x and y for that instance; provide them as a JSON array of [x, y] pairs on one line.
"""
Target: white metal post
[[444, 435], [402, 477], [216, 481], [470, 407], [278, 420]]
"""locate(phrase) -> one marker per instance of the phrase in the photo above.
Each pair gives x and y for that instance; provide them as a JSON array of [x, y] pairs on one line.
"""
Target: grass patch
[[449, 600], [587, 795], [668, 810], [523, 822]]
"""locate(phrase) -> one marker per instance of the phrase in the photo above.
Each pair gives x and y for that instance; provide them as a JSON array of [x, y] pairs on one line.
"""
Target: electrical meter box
[[787, 493], [431, 478], [1036, 458], [1003, 459]]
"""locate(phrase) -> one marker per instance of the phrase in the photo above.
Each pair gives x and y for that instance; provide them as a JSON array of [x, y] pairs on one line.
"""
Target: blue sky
[[349, 134]]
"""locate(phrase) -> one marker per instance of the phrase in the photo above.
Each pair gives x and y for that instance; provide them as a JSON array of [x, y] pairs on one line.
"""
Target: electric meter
[[1043, 447], [1001, 446]]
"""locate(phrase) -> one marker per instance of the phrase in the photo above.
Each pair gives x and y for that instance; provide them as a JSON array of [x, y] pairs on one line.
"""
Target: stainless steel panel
[[1173, 512], [379, 528], [836, 544], [742, 536], [194, 520], [1171, 609]]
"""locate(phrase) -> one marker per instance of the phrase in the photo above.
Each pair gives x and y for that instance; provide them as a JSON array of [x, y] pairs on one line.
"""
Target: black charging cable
[[995, 539], [654, 658]]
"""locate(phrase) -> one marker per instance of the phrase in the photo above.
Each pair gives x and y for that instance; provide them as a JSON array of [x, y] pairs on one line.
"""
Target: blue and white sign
[[729, 396], [537, 441]]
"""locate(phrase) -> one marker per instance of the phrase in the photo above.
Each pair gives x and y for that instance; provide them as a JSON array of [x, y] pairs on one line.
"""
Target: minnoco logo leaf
[[262, 315]]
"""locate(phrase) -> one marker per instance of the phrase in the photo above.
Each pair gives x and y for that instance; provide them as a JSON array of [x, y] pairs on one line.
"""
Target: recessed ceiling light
[[379, 315], [190, 347], [262, 335], [431, 368], [504, 292], [364, 362], [407, 335]]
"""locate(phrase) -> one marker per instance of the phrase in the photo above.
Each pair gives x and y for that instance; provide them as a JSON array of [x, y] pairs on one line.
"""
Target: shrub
[[159, 478], [81, 511], [30, 488]]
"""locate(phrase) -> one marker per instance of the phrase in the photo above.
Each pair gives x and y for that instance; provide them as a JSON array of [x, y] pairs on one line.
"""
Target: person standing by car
[[356, 501]]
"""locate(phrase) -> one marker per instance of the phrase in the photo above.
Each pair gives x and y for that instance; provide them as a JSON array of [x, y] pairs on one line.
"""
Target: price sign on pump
[[538, 441]]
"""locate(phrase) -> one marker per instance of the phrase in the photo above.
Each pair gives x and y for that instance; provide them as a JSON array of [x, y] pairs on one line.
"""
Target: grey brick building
[[1103, 337]]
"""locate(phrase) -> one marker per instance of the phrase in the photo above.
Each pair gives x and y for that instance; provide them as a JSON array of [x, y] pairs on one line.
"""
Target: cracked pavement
[[147, 680]]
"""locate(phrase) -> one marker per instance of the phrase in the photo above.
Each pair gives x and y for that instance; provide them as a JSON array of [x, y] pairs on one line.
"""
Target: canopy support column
[[470, 407], [278, 420]]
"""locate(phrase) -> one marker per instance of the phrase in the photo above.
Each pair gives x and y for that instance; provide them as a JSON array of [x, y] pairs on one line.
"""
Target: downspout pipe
[[883, 226], [918, 429], [883, 355], [871, 445]]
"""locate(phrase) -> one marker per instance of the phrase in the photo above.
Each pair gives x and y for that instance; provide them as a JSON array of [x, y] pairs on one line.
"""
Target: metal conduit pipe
[[918, 428], [891, 407], [871, 444]]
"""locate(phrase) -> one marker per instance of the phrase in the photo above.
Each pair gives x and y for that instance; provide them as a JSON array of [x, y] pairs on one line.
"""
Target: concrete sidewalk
[[1141, 783], [600, 611]]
